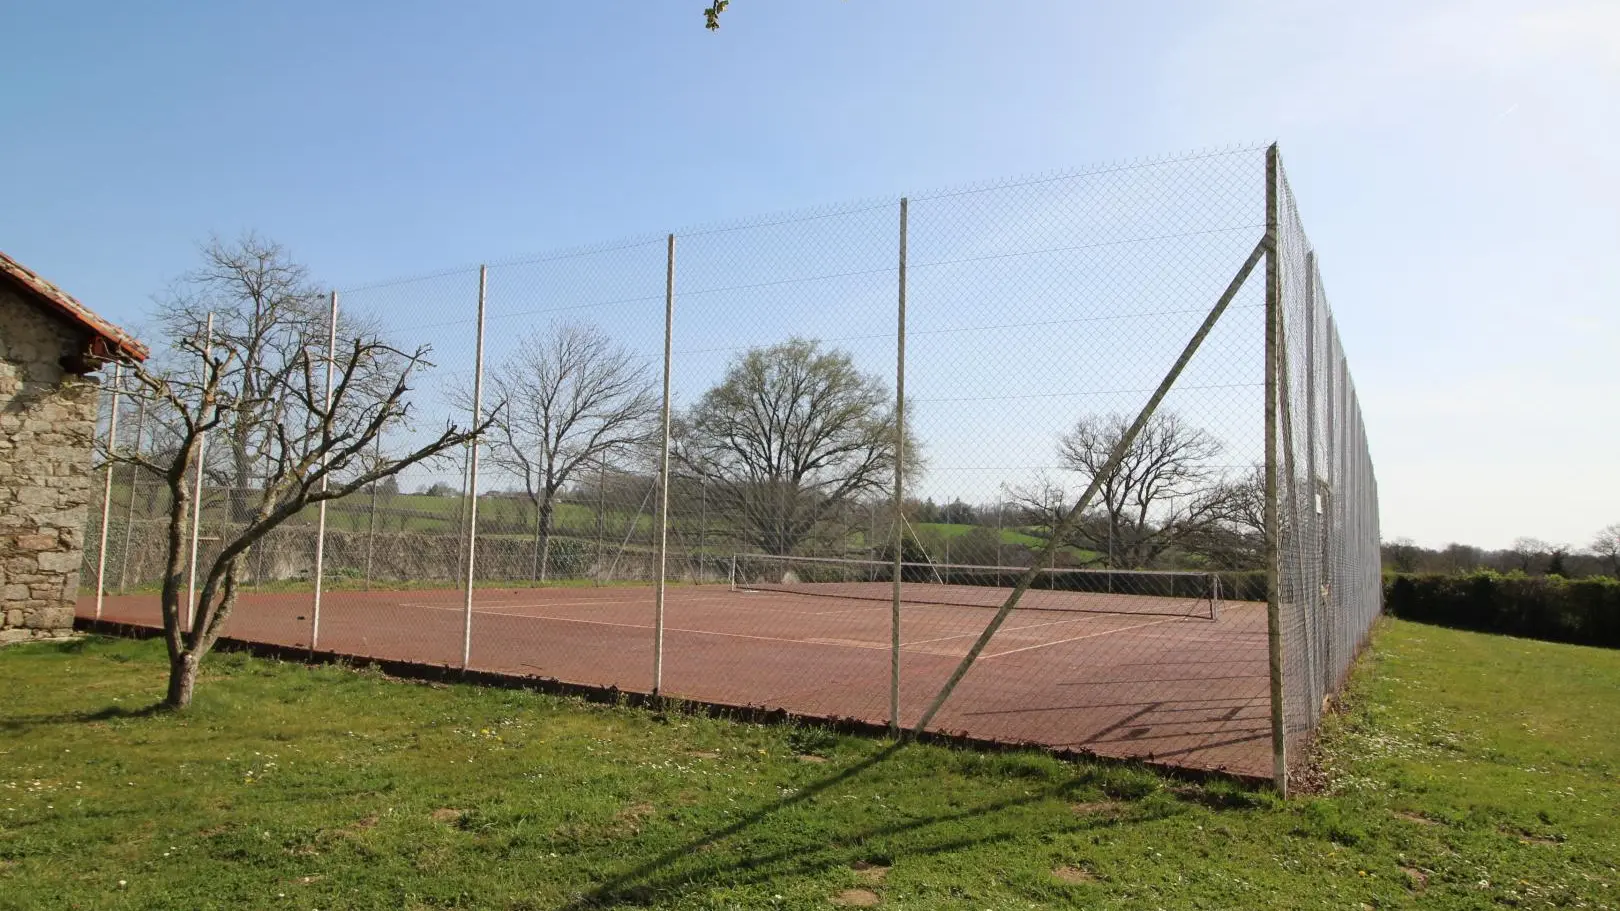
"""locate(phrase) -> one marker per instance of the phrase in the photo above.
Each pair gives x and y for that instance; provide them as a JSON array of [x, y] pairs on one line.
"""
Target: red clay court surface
[[1177, 690]]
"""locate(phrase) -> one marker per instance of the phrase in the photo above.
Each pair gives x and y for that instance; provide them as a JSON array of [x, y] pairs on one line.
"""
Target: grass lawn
[[1016, 537], [1469, 772], [422, 514], [957, 530]]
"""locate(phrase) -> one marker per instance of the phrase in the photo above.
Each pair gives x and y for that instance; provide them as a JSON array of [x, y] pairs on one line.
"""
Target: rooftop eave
[[106, 341]]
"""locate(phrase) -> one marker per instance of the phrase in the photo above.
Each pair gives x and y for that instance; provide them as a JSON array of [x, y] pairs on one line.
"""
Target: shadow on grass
[[108, 713], [688, 866]]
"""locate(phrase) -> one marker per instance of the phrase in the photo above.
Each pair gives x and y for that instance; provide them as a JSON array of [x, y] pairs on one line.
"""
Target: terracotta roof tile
[[114, 341]]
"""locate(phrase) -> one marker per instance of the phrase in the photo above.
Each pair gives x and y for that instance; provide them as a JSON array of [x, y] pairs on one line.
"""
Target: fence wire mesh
[[1056, 535], [1329, 586]]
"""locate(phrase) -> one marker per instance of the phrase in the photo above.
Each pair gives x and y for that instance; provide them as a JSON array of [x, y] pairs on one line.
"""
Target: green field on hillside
[[419, 512], [939, 535], [1468, 772], [957, 530]]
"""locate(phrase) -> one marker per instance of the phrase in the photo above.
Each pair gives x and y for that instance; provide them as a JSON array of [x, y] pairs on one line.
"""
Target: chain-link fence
[[1327, 497], [1072, 460]]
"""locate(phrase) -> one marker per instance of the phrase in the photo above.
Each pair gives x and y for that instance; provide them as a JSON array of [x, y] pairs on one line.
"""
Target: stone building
[[49, 344]]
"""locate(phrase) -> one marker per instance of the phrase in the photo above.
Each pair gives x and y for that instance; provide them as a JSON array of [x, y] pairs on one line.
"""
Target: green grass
[[351, 584], [423, 514], [1017, 537], [957, 530], [1469, 772]]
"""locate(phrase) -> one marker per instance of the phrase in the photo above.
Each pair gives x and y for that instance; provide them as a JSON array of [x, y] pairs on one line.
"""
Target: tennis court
[[1125, 382], [1120, 675]]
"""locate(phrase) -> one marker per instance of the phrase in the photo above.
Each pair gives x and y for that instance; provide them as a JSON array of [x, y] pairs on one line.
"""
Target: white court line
[[490, 607], [674, 605], [667, 629], [707, 600], [723, 599], [840, 644], [1010, 629], [1027, 648], [874, 604]]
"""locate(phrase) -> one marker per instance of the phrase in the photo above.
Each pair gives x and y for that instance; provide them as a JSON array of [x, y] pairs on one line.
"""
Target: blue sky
[[1457, 165]]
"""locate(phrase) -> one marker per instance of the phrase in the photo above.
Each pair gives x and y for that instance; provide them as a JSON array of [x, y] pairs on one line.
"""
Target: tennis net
[[1173, 593]]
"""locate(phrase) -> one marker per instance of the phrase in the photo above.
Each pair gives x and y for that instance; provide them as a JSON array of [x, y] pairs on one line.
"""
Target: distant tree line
[[1583, 611], [1528, 556]]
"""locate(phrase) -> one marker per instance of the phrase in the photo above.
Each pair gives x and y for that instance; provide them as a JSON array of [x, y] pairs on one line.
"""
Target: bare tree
[[267, 313], [1401, 555], [1041, 505], [788, 440], [1461, 558], [576, 399], [1558, 559], [1606, 546], [309, 448], [1236, 536], [1165, 493], [1527, 553]]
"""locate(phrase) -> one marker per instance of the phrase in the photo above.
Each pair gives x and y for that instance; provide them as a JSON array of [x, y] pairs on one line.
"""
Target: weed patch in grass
[[1069, 873], [856, 898]]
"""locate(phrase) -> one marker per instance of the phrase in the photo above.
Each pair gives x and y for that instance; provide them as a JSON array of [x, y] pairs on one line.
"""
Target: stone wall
[[47, 426], [287, 554]]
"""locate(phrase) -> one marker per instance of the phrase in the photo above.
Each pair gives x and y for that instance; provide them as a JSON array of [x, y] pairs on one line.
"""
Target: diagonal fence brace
[[1069, 519]]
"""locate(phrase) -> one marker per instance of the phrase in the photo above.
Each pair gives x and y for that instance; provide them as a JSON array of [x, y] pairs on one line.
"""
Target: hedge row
[[1581, 611]]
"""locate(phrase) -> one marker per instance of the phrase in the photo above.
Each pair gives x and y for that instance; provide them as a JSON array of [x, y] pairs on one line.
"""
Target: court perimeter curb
[[612, 695]]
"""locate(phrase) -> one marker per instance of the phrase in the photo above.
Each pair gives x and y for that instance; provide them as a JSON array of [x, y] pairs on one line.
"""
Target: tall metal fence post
[[134, 490], [320, 509], [1274, 644], [601, 518], [1339, 530], [1316, 604], [106, 490], [371, 520], [196, 501], [472, 471], [461, 516], [899, 477], [663, 476]]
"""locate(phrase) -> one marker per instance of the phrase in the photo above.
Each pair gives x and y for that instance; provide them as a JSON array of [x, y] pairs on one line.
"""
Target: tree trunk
[[543, 524], [182, 679], [534, 574], [241, 505], [601, 522]]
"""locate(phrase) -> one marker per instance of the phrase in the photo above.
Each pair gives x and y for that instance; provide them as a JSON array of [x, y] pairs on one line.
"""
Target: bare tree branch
[[1166, 493], [576, 399], [1607, 546], [258, 383]]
